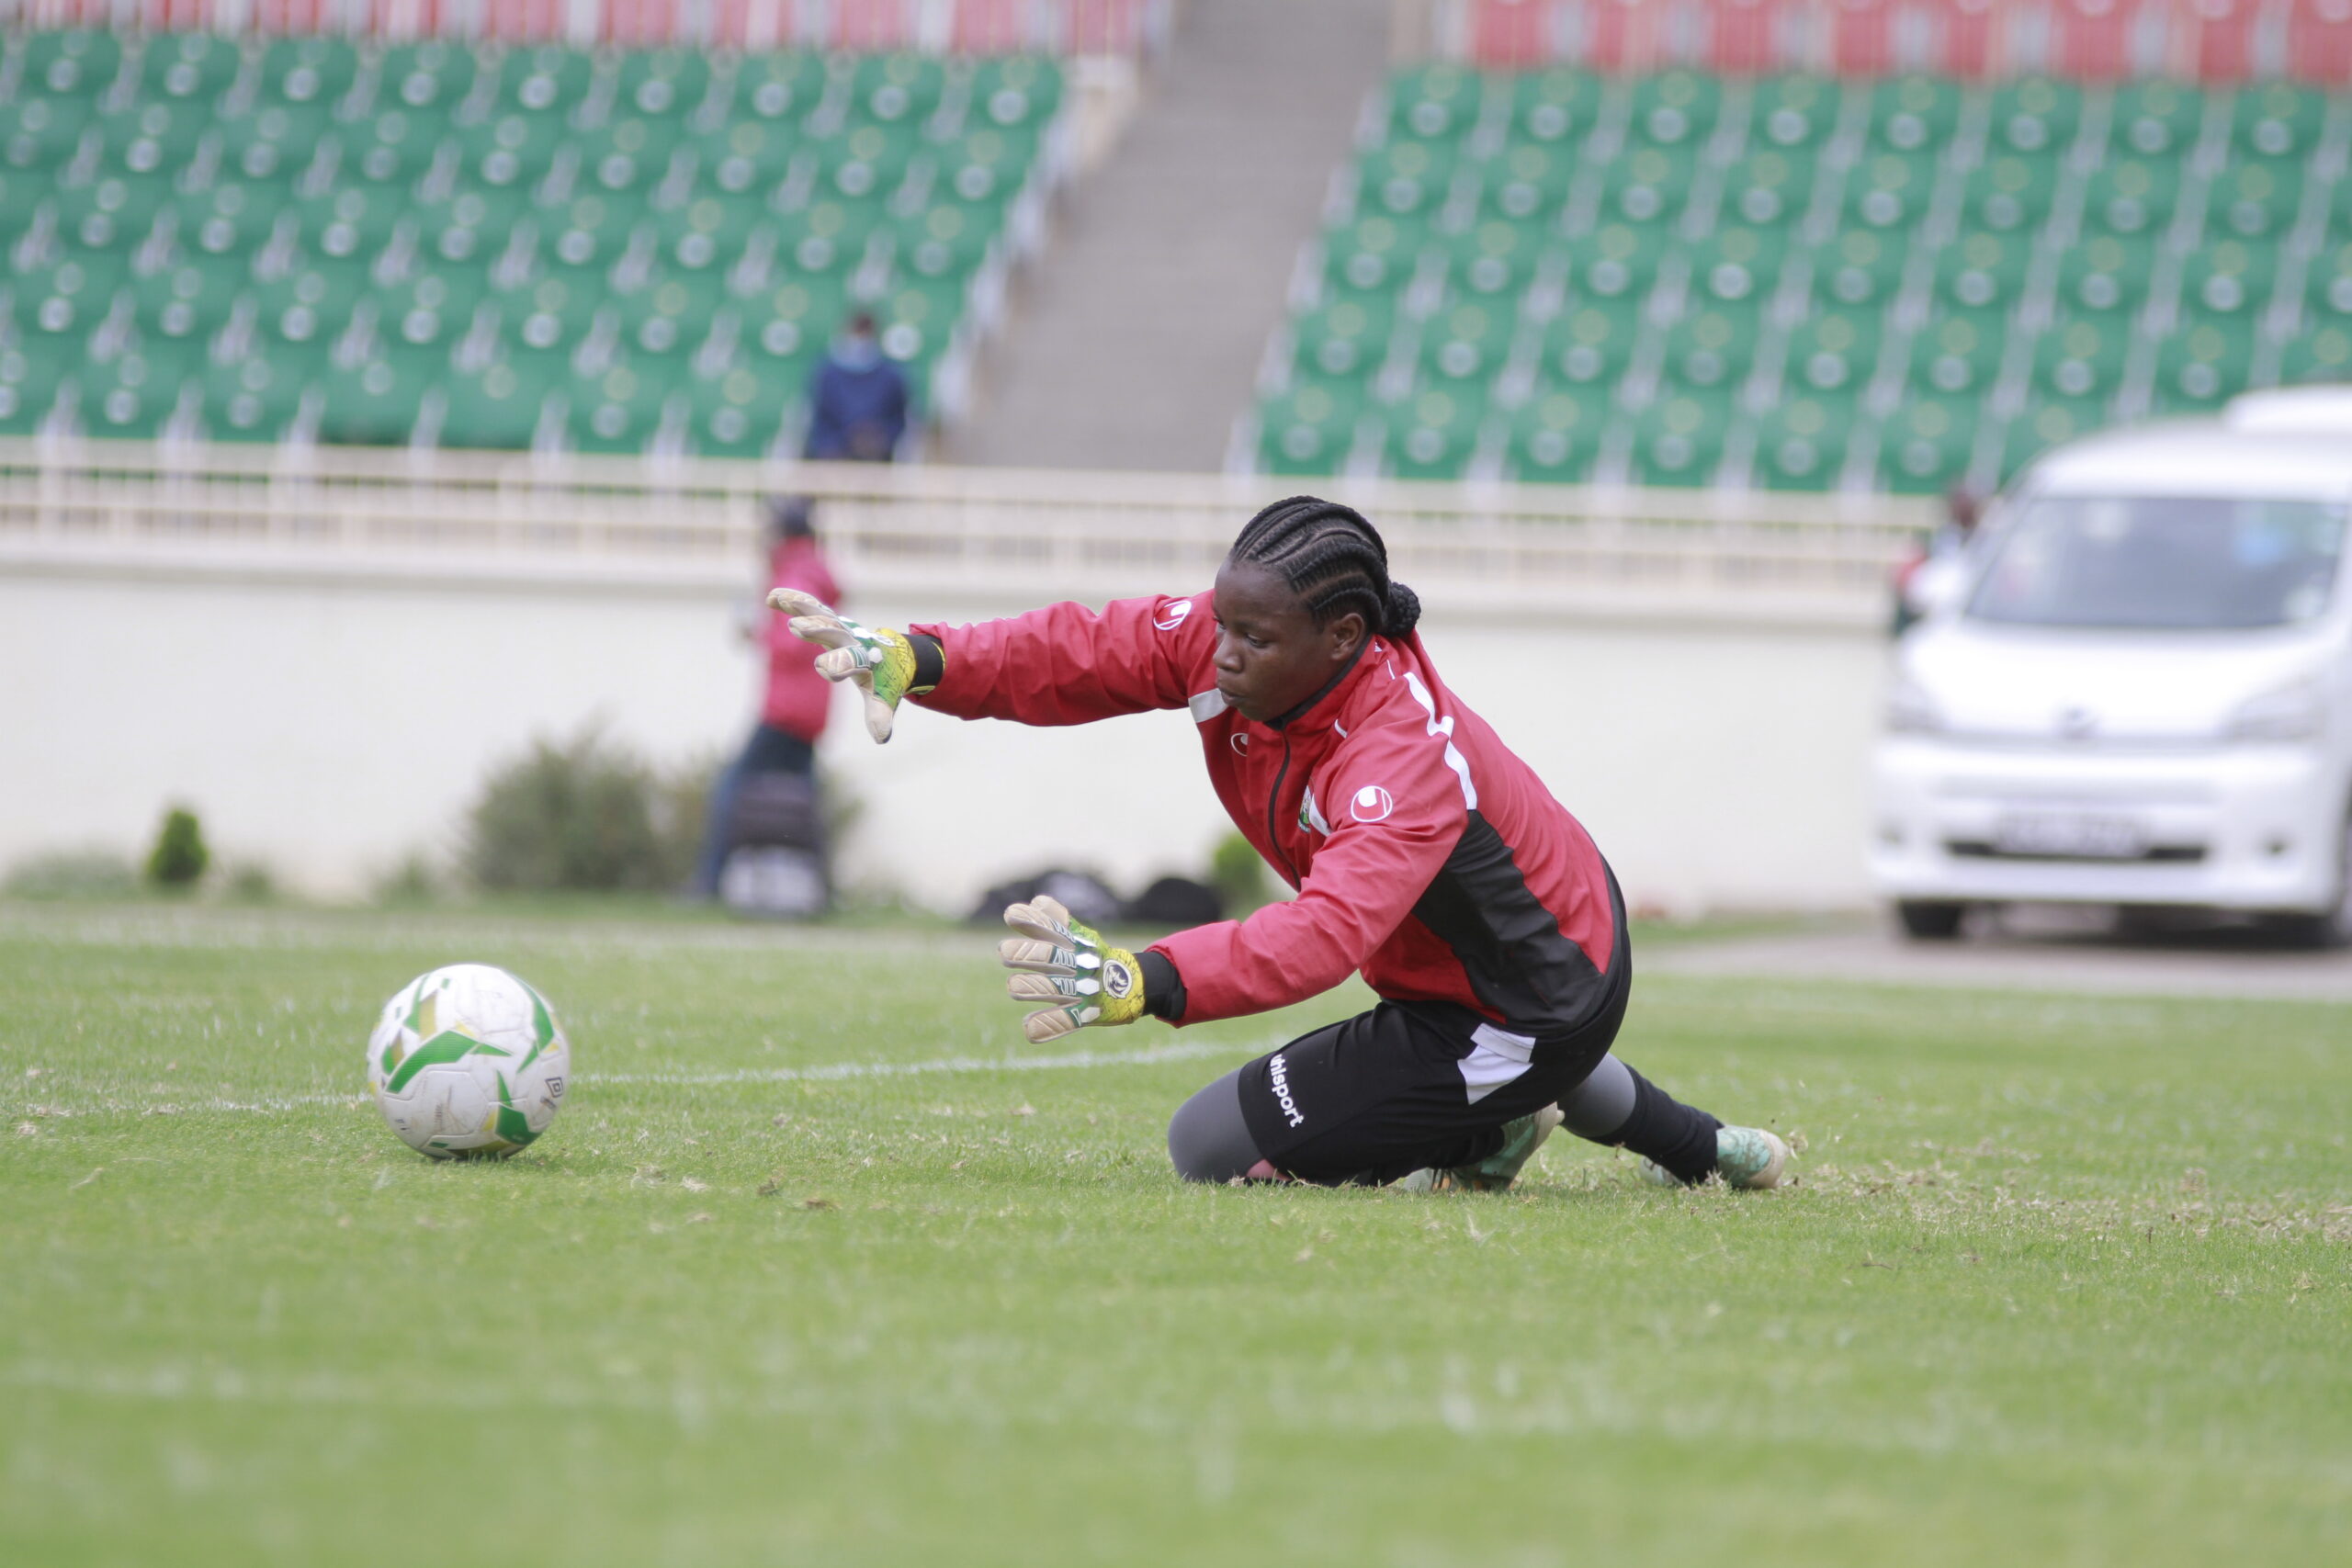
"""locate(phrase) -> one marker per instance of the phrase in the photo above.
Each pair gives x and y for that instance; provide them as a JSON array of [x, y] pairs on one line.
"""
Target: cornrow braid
[[1333, 559]]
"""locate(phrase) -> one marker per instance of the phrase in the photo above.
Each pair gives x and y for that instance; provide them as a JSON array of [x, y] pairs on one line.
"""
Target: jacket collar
[[1321, 711]]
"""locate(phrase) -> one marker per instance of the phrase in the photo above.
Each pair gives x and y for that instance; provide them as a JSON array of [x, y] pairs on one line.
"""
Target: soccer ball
[[468, 1062]]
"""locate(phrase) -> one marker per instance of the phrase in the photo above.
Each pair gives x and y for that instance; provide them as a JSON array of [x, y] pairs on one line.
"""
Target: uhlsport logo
[[1118, 979], [1371, 803], [1172, 615], [1278, 1071]]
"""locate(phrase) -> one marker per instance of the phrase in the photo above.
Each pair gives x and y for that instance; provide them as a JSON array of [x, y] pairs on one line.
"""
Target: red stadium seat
[[2319, 41], [2092, 39], [2217, 37], [1861, 38], [1511, 32]]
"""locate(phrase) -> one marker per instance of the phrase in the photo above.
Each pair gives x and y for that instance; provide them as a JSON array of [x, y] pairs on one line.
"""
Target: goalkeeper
[[1426, 857]]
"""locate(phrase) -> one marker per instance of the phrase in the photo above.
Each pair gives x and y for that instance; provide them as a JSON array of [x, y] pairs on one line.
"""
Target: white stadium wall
[[328, 730]]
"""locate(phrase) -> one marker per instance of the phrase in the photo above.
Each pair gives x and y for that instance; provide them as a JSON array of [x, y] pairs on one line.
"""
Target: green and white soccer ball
[[468, 1062]]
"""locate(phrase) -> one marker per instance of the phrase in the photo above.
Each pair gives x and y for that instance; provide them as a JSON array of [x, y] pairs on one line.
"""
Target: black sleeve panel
[[930, 660], [1163, 987]]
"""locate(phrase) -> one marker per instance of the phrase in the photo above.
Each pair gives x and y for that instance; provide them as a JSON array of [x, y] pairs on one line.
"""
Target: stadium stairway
[[1142, 331]]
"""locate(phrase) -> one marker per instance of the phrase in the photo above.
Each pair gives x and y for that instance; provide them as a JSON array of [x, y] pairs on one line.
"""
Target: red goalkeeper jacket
[[1425, 855]]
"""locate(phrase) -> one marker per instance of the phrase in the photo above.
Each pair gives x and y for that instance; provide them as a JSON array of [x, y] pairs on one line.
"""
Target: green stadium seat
[[252, 400], [1712, 348], [2035, 114], [391, 148], [513, 152], [2081, 358], [1674, 109], [944, 242], [2329, 283], [79, 60], [113, 213], [433, 309], [1348, 338], [2277, 120], [1801, 442], [1553, 107], [1405, 179], [61, 302], [616, 413], [555, 313], [1586, 347], [1678, 439], [231, 221], [1737, 264], [1309, 429], [42, 132], [130, 398], [2255, 200], [1925, 445], [146, 136], [1467, 343], [736, 414], [2105, 274], [2323, 354], [748, 156], [2201, 367], [1793, 112], [314, 69], [28, 390], [1767, 189], [2230, 277], [1435, 103], [2133, 197], [2011, 193], [1648, 186], [985, 165], [1914, 114], [1528, 181], [2046, 423], [1859, 266], [1982, 271], [2155, 119], [672, 82], [550, 80], [436, 73], [827, 238], [794, 321], [1494, 260], [1618, 263], [916, 319], [1016, 91], [1889, 191], [375, 403], [672, 318], [1432, 435], [499, 409], [186, 302], [627, 154], [1372, 254], [197, 66], [1960, 353], [868, 164], [1833, 350], [311, 303], [1555, 436]]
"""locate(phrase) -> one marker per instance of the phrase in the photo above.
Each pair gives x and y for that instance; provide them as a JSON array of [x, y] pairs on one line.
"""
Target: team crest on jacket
[[1172, 616], [1371, 803]]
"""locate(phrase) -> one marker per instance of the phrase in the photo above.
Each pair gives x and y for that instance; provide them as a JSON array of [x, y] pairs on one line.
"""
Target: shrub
[[72, 873], [585, 813], [1238, 874], [180, 857]]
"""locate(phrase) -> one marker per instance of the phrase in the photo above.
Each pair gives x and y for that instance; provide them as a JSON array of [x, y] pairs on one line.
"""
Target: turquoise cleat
[[1745, 1156], [1497, 1171]]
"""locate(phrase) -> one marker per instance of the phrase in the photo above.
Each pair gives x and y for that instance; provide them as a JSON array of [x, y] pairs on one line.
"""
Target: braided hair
[[1333, 561]]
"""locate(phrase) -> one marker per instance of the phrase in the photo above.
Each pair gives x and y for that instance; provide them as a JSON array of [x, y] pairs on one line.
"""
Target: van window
[[2163, 563]]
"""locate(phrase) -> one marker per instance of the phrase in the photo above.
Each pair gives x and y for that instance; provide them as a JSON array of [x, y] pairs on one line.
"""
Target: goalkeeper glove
[[1069, 965], [878, 662]]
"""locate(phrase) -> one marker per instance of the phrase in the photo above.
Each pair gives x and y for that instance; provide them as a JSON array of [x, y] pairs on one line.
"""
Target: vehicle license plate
[[2071, 835]]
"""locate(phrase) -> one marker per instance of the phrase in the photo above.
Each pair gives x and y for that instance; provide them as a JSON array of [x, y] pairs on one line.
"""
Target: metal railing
[[1015, 534]]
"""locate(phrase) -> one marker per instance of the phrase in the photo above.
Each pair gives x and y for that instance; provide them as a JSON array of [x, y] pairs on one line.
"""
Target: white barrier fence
[[1022, 535]]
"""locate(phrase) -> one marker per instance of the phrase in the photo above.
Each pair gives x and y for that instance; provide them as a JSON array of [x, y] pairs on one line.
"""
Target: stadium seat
[[1678, 439], [2231, 277], [2082, 358], [1555, 437], [1858, 267], [1925, 445], [1960, 353], [1712, 348], [2276, 121], [1737, 264], [1529, 181], [1979, 271], [1792, 112], [1555, 107], [1648, 186], [2155, 119], [1889, 191], [1914, 114], [2329, 283], [1833, 350], [1800, 442], [1433, 432], [1371, 255], [2255, 200], [1467, 344], [1436, 103], [1493, 260], [1674, 109], [2010, 193], [1618, 263], [1768, 187], [2323, 354], [2201, 367], [1309, 429], [1346, 338], [2132, 197], [2104, 274], [1587, 347], [2035, 114], [1405, 179]]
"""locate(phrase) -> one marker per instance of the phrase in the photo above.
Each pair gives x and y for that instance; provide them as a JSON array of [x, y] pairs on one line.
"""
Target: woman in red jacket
[[1426, 857]]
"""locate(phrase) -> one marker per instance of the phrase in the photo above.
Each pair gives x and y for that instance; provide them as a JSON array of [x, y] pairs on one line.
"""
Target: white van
[[2135, 686]]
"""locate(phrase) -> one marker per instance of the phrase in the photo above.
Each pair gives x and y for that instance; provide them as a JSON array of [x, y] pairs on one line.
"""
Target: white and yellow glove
[[1069, 965], [877, 660]]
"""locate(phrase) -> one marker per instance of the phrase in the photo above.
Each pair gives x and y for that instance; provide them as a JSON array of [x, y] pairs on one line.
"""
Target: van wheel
[[2332, 927], [1925, 921]]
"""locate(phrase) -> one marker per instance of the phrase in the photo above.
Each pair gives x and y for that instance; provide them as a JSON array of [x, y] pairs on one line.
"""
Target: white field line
[[829, 1072]]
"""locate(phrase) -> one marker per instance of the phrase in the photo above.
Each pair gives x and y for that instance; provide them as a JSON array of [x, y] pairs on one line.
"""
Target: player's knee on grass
[[1207, 1139]]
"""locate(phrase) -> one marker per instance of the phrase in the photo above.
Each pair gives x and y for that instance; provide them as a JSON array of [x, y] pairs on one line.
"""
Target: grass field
[[811, 1272]]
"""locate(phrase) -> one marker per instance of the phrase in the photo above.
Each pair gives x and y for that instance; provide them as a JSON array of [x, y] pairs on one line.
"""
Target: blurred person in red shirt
[[796, 701]]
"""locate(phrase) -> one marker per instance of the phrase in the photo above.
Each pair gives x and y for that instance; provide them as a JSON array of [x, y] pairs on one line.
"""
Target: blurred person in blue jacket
[[857, 399]]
